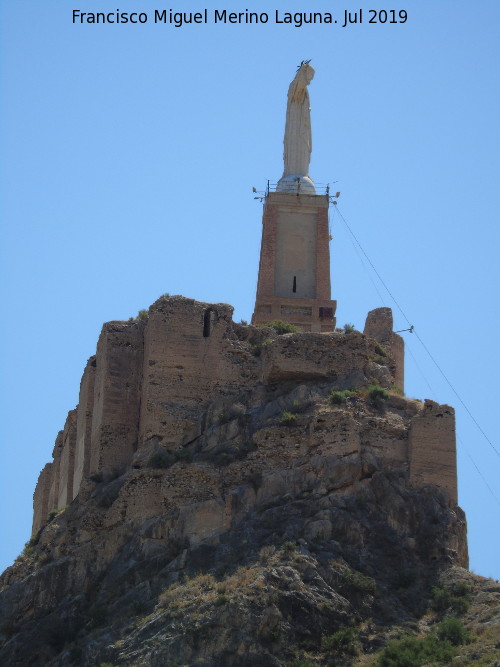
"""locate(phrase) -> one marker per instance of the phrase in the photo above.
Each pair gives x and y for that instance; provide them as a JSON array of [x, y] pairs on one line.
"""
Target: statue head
[[305, 71]]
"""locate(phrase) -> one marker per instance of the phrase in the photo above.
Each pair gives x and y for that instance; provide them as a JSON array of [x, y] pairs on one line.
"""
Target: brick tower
[[294, 268]]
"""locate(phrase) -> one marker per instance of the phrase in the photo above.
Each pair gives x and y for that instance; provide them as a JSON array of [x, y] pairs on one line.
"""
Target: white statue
[[298, 140]]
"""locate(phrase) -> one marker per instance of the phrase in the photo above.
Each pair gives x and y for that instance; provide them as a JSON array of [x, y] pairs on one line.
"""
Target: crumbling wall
[[162, 383], [379, 325], [41, 498], [432, 448], [386, 438], [311, 356], [84, 425], [117, 396], [67, 461], [55, 473], [191, 356]]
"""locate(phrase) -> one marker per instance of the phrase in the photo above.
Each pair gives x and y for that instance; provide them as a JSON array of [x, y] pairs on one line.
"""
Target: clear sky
[[129, 153]]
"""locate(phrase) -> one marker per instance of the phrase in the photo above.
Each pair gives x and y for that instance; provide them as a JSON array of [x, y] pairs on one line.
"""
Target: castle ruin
[[187, 376]]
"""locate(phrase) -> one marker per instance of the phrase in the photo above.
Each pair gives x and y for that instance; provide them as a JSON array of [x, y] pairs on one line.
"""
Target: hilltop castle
[[232, 495], [159, 386]]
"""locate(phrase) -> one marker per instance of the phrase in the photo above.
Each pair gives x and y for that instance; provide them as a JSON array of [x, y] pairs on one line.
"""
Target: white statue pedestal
[[296, 184]]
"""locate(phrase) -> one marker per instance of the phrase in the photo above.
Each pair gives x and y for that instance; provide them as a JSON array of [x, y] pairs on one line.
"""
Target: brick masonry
[[379, 325], [432, 449], [53, 501], [189, 358], [117, 397], [41, 498], [67, 462], [294, 269], [84, 425]]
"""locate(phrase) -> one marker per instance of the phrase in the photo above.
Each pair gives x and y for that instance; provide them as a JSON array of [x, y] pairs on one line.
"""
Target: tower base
[[314, 315], [294, 271]]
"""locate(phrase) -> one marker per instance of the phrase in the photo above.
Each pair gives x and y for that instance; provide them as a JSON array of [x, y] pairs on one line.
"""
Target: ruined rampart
[[188, 376]]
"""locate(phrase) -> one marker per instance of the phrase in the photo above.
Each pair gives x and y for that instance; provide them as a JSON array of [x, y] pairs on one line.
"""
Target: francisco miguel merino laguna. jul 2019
[[224, 16]]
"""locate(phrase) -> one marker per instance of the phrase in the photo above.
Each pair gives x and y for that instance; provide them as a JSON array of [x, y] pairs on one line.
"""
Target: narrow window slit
[[294, 288], [207, 323], [210, 317]]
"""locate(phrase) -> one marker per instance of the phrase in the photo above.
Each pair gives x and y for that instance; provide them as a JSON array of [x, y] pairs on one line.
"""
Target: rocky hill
[[225, 495]]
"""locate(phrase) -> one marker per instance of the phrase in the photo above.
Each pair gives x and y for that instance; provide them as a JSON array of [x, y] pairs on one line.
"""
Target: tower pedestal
[[294, 269]]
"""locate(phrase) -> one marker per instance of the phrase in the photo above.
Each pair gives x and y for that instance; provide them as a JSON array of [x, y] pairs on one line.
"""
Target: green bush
[[266, 342], [349, 328], [288, 418], [288, 547], [339, 397], [455, 598], [377, 395], [342, 643], [29, 547], [441, 599], [359, 581], [461, 589], [141, 315], [29, 550], [460, 605], [44, 558], [452, 630], [380, 349], [54, 513], [437, 647], [414, 652], [282, 327], [258, 347], [336, 397]]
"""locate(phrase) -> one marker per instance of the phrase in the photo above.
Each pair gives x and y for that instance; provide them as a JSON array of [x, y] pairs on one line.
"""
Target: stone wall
[[379, 326], [311, 356], [432, 448], [41, 498], [117, 396], [55, 473], [84, 425], [191, 357], [67, 462]]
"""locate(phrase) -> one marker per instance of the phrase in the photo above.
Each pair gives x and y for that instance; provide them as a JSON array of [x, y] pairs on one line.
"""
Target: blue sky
[[128, 159]]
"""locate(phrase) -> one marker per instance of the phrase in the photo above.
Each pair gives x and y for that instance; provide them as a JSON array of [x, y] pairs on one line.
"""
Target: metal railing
[[321, 189]]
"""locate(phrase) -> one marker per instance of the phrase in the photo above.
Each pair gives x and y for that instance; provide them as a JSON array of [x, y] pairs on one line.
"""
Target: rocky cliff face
[[229, 509]]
